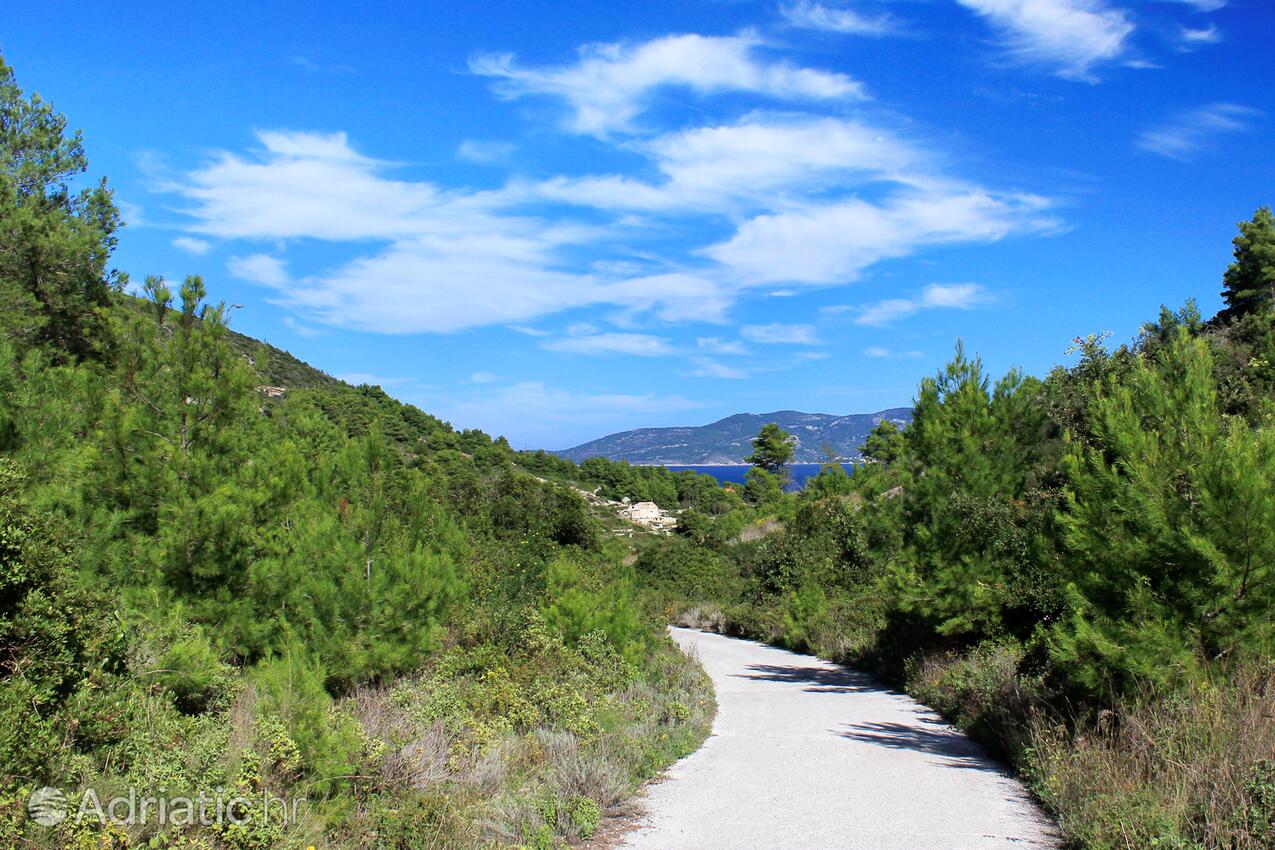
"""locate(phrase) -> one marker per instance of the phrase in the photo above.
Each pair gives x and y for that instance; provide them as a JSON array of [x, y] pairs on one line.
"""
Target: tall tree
[[1169, 527], [1249, 282], [772, 449], [54, 242]]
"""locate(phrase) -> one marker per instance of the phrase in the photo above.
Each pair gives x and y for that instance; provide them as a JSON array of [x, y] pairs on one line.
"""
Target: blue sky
[[557, 220]]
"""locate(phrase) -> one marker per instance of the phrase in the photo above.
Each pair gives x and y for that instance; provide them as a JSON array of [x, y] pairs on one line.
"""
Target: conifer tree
[[54, 243], [1169, 527], [1249, 282], [772, 449]]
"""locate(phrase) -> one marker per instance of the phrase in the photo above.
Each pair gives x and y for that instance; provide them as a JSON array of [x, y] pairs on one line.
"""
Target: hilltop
[[729, 440]]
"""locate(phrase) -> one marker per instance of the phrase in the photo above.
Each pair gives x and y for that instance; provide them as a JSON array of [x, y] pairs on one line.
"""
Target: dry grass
[[1194, 771], [706, 618], [418, 755]]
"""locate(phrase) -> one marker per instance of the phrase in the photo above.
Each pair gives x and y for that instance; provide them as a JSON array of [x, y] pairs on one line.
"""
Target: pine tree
[[1250, 281], [54, 244], [772, 449], [1169, 528]]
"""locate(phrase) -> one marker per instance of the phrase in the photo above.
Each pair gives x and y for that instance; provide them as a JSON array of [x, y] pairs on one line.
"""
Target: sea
[[734, 474]]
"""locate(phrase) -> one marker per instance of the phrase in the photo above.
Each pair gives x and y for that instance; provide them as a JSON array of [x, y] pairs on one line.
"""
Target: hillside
[[729, 440]]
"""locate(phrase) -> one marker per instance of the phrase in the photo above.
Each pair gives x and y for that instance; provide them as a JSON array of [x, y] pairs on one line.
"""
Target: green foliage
[[291, 690], [772, 449], [1071, 569], [1170, 527], [575, 609], [762, 487], [1249, 282], [684, 569], [53, 635], [54, 243], [973, 515], [884, 445]]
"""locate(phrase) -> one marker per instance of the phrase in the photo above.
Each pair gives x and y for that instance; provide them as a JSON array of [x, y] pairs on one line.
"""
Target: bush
[[1188, 769], [291, 689]]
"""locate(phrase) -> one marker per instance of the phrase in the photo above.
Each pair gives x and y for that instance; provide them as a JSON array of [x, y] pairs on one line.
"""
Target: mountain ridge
[[729, 440]]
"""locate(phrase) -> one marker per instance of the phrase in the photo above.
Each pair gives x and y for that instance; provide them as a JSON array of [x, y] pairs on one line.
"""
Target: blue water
[[800, 472]]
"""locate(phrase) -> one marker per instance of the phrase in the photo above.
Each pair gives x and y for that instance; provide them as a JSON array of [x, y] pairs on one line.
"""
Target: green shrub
[[291, 689]]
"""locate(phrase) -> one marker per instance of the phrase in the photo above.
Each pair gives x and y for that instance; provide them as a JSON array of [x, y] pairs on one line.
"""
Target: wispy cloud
[[484, 378], [1196, 37], [1070, 36], [528, 331], [826, 243], [720, 346], [708, 368], [808, 14], [609, 85], [1190, 133], [198, 247], [781, 334], [640, 345], [301, 330], [724, 167], [959, 296], [1201, 5], [773, 199], [260, 268], [484, 152], [878, 352]]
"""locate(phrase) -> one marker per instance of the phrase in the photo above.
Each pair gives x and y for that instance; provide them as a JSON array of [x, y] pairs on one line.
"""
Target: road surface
[[807, 754]]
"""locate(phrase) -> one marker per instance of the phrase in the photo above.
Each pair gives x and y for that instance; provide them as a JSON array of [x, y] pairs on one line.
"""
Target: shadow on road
[[820, 679], [928, 735]]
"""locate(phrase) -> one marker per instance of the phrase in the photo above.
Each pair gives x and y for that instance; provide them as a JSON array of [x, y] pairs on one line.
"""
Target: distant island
[[729, 440]]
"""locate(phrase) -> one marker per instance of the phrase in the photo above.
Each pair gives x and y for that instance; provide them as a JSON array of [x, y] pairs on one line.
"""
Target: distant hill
[[729, 440]]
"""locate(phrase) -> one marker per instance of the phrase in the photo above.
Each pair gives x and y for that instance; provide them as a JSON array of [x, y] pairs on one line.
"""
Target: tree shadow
[[928, 735], [834, 680]]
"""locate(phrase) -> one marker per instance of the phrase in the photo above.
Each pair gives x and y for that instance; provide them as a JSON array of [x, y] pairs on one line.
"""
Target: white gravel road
[[807, 754]]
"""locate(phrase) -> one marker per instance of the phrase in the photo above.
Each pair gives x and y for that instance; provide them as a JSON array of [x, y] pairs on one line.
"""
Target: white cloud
[[809, 200], [1202, 5], [781, 334], [1071, 36], [808, 14], [483, 378], [880, 353], [1192, 38], [674, 297], [1190, 133], [829, 243], [304, 185], [708, 368], [260, 268], [610, 84], [198, 247], [723, 167], [720, 346], [959, 296], [301, 330], [527, 331], [444, 283], [639, 345], [484, 152]]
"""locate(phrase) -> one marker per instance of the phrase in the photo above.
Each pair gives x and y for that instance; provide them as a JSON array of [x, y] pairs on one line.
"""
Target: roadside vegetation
[[225, 573], [1078, 570]]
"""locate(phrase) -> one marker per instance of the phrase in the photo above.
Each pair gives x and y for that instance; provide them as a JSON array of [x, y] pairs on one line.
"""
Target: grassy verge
[[1186, 770], [486, 747]]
